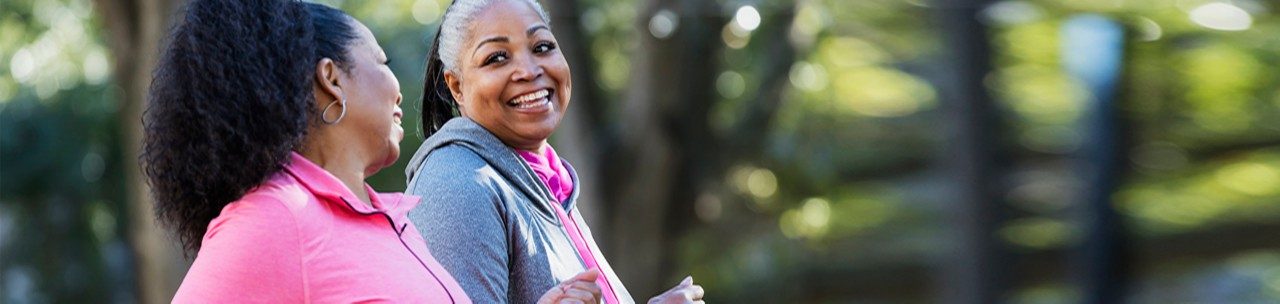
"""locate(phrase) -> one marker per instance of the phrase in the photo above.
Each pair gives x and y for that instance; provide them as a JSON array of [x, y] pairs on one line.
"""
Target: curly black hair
[[232, 95]]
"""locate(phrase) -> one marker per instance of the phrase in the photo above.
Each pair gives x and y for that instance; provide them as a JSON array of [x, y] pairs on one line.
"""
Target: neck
[[537, 148], [343, 164]]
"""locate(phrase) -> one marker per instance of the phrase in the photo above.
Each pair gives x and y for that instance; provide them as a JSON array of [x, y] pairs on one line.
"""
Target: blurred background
[[816, 151]]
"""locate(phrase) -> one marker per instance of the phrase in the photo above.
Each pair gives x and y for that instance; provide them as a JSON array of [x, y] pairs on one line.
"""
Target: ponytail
[[438, 105]]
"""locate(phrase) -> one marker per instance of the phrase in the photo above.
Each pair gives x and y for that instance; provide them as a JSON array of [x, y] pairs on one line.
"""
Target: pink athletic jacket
[[303, 237]]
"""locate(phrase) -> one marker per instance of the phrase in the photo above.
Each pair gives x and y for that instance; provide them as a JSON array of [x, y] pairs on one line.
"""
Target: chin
[[392, 157], [546, 126], [541, 132]]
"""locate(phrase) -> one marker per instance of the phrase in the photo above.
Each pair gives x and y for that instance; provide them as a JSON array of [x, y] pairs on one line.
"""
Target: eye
[[543, 47], [496, 57]]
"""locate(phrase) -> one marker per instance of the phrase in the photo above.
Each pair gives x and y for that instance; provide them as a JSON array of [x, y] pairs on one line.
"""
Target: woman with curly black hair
[[264, 119]]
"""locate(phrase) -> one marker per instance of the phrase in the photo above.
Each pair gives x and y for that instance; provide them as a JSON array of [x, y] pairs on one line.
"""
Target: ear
[[454, 83], [327, 78]]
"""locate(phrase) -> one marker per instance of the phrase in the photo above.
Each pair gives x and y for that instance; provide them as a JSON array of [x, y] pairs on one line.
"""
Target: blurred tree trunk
[[134, 29], [648, 164], [1094, 49], [973, 271], [664, 140], [579, 138]]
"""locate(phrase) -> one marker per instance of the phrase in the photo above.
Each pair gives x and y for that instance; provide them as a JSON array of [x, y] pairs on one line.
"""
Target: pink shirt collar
[[550, 171], [328, 188]]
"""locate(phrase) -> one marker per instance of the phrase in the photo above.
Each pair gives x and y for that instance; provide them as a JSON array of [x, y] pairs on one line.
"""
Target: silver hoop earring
[[325, 114]]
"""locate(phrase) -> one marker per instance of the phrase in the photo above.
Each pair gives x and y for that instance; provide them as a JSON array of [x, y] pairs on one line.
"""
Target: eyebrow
[[528, 32], [535, 28], [492, 39]]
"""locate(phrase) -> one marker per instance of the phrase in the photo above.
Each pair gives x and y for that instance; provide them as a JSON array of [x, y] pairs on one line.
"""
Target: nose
[[527, 70]]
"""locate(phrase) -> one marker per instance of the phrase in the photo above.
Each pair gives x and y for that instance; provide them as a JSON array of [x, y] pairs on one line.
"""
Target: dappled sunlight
[[761, 183], [428, 11], [809, 77], [1212, 194], [611, 50], [811, 18], [1148, 30], [1041, 94], [841, 215], [1031, 82], [1047, 293], [1221, 16], [1034, 43], [849, 52], [856, 214], [663, 24], [811, 220], [61, 55], [1220, 80], [737, 33], [1251, 178], [881, 92], [1038, 233], [731, 84], [758, 185], [862, 84]]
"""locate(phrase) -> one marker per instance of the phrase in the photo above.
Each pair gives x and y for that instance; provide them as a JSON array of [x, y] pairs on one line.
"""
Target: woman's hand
[[685, 292], [580, 289]]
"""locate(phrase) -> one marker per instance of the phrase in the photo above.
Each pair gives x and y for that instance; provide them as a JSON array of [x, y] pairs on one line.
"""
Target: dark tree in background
[[134, 29], [656, 150], [975, 271]]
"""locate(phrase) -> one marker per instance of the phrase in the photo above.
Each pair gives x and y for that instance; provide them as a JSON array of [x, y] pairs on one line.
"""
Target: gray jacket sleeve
[[463, 221]]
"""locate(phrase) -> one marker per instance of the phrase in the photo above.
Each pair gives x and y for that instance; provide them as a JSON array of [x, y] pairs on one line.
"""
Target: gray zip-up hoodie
[[486, 217]]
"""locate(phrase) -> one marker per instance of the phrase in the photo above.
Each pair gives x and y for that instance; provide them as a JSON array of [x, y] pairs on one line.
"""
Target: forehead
[[504, 18], [364, 42]]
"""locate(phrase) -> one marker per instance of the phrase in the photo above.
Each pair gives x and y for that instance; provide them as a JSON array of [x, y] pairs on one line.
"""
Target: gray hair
[[456, 26]]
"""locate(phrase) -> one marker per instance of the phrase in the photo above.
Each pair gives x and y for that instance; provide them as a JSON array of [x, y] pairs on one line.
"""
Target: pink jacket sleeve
[[251, 253]]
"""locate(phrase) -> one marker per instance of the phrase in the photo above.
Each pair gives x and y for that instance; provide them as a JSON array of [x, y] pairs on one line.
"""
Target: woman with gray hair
[[499, 208]]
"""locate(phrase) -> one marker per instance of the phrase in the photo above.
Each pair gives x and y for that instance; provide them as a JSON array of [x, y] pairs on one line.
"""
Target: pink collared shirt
[[303, 237]]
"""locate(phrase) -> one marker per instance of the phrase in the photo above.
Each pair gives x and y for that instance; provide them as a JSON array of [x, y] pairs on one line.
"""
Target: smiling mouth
[[531, 100]]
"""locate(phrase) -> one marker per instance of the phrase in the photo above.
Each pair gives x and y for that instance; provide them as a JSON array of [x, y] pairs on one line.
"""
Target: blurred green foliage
[[61, 190]]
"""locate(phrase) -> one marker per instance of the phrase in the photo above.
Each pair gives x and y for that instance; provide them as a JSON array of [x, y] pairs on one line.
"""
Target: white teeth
[[533, 104], [527, 100]]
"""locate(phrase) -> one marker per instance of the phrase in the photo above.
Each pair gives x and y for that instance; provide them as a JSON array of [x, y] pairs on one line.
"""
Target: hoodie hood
[[466, 133]]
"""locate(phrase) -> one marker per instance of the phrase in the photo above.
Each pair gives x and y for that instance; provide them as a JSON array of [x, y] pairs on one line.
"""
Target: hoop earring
[[324, 114]]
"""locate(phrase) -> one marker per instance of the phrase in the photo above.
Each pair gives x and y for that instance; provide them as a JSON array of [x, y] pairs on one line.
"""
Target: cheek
[[393, 84], [564, 77], [486, 92], [559, 69], [383, 85]]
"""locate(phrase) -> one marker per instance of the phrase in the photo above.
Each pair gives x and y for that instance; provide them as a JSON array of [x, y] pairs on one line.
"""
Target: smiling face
[[371, 125], [511, 77]]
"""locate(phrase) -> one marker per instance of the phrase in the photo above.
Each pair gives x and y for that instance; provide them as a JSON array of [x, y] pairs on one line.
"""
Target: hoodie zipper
[[548, 199]]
